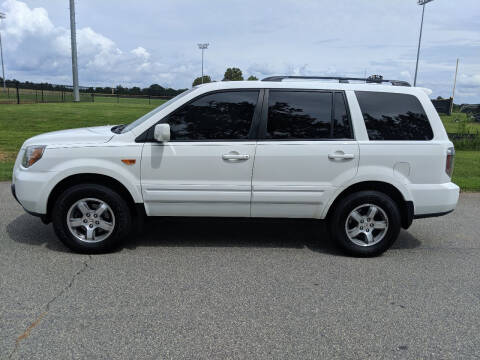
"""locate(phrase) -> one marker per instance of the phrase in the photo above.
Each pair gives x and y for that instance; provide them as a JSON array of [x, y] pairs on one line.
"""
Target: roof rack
[[372, 79]]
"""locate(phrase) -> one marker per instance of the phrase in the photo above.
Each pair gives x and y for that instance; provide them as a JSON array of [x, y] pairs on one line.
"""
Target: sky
[[137, 43]]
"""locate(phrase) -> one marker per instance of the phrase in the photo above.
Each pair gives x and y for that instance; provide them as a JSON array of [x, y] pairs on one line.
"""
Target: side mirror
[[162, 132]]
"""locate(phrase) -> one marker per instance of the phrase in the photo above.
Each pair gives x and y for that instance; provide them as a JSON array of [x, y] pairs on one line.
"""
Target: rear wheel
[[91, 218], [365, 223]]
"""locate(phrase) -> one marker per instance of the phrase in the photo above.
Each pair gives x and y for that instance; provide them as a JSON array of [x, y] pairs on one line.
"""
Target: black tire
[[343, 209], [119, 207]]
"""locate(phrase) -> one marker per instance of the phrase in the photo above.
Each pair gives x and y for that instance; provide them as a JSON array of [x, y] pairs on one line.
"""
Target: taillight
[[450, 160]]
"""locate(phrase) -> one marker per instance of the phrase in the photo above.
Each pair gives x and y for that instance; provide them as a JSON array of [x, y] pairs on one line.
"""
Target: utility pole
[[73, 35], [423, 3], [2, 16], [454, 85], [203, 47]]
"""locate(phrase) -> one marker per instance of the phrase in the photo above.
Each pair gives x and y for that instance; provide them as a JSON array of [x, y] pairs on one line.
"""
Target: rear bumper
[[434, 199], [423, 216]]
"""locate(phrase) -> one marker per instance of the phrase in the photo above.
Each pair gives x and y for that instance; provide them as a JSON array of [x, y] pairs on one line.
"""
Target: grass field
[[18, 123], [457, 122], [466, 173]]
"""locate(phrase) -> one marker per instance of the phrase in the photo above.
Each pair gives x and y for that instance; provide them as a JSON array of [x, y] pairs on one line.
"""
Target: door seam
[[251, 178]]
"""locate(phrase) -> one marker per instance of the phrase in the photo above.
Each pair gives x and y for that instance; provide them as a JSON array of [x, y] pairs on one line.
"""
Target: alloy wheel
[[90, 220], [366, 225]]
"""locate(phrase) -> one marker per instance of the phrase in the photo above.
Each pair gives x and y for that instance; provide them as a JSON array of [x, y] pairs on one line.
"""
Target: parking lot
[[240, 289]]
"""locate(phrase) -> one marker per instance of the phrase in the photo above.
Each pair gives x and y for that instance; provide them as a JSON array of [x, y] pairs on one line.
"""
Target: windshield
[[154, 111]]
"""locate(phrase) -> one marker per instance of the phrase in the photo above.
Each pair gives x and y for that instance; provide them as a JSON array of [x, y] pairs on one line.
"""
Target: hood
[[84, 136]]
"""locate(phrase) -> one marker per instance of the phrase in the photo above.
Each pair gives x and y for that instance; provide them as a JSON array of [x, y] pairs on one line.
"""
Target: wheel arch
[[90, 178], [405, 206]]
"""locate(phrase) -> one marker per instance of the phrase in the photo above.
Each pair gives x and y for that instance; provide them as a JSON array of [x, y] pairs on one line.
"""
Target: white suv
[[367, 157]]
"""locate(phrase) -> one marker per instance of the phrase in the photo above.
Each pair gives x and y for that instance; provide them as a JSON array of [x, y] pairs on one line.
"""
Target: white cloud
[[141, 52], [23, 21], [43, 52], [470, 80], [405, 74], [341, 37]]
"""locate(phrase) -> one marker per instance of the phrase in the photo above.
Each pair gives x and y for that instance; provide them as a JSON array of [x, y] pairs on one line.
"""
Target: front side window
[[299, 115], [217, 116], [147, 116], [390, 116]]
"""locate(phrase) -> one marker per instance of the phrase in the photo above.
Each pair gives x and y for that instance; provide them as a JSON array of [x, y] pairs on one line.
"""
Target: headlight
[[32, 155]]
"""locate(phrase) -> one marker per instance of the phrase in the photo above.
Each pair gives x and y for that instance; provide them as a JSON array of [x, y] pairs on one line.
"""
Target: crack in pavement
[[37, 321]]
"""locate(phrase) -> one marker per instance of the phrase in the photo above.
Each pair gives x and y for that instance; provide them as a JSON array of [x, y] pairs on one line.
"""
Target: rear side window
[[390, 116], [306, 115], [299, 115], [218, 116]]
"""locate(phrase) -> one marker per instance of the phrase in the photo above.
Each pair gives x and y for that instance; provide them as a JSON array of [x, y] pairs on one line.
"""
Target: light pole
[[73, 36], [423, 3], [454, 86], [2, 16], [203, 47]]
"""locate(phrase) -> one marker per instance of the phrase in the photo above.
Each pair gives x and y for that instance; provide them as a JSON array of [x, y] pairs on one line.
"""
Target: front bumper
[[43, 217], [31, 189], [14, 194]]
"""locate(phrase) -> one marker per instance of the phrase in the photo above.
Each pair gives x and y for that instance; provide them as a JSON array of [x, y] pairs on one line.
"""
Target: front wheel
[[91, 218], [365, 223]]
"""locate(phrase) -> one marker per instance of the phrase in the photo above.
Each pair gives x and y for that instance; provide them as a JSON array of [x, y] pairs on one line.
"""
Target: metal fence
[[132, 99], [461, 136], [19, 95], [471, 109]]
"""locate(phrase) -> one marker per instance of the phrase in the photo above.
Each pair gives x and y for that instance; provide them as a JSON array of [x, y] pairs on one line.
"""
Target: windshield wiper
[[117, 129]]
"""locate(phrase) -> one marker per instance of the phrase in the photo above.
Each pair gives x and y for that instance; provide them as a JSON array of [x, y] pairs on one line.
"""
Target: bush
[[463, 139], [472, 143]]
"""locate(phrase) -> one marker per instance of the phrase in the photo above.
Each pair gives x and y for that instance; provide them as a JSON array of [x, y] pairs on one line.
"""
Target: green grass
[[20, 122], [6, 170], [459, 122], [466, 172]]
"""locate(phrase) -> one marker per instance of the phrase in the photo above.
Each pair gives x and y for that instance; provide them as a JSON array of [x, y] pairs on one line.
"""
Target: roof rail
[[372, 79]]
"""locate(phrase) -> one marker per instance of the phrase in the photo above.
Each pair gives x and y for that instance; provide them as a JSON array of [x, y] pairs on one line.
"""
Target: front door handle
[[341, 156], [235, 157]]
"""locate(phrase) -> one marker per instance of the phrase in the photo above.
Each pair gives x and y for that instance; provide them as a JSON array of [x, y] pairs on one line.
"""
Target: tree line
[[152, 90], [231, 74]]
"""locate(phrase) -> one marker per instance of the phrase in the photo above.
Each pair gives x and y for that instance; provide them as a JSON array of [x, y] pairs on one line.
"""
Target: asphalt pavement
[[240, 290]]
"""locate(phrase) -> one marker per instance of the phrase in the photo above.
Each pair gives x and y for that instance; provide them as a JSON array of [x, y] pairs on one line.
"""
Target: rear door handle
[[341, 156], [235, 157]]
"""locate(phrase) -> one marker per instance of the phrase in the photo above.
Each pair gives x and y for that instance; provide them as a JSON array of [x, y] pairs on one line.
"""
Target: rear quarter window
[[390, 116]]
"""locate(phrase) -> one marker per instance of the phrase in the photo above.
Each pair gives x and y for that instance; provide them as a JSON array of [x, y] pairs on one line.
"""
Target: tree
[[135, 90], [439, 98], [198, 80], [120, 90], [252, 78], [233, 74], [155, 90]]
